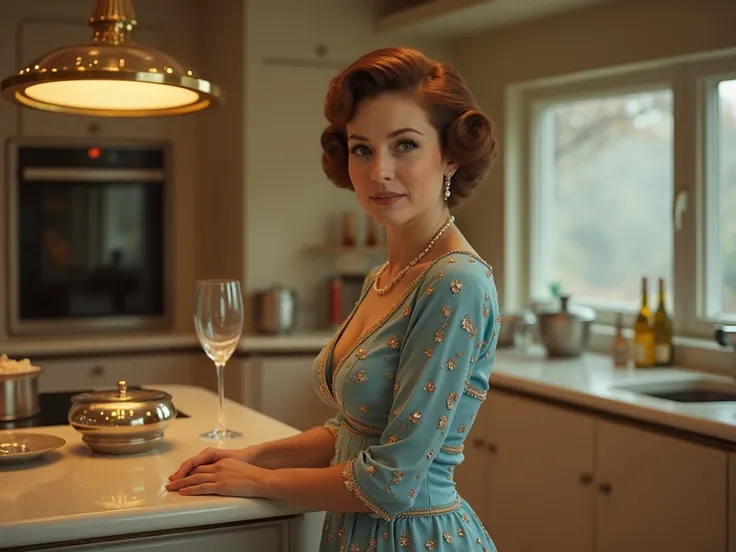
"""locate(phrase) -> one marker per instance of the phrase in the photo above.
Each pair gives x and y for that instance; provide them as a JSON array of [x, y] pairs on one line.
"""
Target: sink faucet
[[725, 336]]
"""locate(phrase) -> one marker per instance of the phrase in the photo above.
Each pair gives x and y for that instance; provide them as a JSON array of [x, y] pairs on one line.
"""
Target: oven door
[[87, 244]]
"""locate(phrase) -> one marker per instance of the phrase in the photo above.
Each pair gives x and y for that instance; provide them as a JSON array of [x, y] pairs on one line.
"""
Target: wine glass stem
[[220, 396]]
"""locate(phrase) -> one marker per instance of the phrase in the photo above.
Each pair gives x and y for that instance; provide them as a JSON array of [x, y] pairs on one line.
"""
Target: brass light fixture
[[110, 76]]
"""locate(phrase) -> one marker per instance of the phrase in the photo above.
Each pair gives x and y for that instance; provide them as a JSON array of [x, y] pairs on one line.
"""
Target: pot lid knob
[[123, 388]]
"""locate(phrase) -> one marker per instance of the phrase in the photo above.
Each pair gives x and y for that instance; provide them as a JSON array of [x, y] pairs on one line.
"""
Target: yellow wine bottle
[[643, 332], [662, 328]]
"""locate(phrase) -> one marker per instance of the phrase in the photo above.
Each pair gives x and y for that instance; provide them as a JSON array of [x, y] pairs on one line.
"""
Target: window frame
[[690, 78], [700, 81]]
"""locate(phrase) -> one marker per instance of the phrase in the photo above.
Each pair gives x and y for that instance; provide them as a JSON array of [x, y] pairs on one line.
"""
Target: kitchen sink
[[695, 389]]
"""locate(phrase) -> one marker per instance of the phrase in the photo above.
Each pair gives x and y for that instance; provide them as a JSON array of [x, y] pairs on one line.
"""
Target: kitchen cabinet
[[657, 492], [586, 483], [536, 465], [280, 386], [272, 536], [73, 373]]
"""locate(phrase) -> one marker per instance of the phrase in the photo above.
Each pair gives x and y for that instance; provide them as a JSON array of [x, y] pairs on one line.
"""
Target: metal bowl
[[122, 421], [565, 330], [513, 324], [19, 395]]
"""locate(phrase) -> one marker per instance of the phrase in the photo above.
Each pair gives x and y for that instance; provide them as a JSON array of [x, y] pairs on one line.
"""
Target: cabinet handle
[[478, 442], [492, 448], [98, 370], [586, 478], [605, 488]]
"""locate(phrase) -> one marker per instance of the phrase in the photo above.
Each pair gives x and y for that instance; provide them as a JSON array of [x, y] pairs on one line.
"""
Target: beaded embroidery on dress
[[406, 395]]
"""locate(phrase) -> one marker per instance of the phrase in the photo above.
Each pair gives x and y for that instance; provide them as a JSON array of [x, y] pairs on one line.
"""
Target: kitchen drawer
[[256, 537], [73, 373]]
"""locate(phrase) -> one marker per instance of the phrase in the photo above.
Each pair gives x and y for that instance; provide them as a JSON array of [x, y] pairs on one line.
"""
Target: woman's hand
[[213, 455], [227, 476]]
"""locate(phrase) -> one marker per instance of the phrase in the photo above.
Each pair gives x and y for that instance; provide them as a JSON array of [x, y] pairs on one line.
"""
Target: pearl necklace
[[384, 290]]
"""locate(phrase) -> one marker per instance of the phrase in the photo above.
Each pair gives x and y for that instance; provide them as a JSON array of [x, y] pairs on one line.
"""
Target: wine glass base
[[217, 435]]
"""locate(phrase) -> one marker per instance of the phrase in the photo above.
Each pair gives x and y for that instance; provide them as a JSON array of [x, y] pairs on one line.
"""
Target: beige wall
[[617, 33], [290, 205]]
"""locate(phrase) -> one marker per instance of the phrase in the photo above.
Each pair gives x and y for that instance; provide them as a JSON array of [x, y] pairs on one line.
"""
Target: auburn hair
[[467, 137]]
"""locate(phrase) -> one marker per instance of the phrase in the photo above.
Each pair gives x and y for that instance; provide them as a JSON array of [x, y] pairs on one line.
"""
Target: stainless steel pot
[[19, 395], [123, 421], [565, 330], [275, 310], [513, 324]]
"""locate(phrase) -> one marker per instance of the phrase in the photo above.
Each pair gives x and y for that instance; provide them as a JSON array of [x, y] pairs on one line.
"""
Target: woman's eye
[[359, 150], [406, 145]]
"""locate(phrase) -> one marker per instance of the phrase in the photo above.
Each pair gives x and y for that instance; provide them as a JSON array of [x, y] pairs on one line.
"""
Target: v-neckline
[[341, 331], [335, 367]]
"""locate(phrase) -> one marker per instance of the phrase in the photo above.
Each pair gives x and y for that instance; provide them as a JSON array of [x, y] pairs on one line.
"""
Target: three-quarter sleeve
[[450, 326]]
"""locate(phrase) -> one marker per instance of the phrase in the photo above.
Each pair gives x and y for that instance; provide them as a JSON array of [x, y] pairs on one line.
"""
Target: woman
[[409, 368]]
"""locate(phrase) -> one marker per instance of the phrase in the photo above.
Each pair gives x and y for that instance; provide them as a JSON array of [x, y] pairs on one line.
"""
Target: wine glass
[[218, 320]]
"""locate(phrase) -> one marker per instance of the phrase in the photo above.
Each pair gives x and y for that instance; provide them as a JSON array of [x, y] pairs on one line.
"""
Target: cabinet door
[[658, 492], [272, 536], [71, 374], [281, 387], [538, 476]]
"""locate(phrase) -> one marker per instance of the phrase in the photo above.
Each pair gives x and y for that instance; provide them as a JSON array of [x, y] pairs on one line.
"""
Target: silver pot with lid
[[122, 421], [275, 310], [565, 329]]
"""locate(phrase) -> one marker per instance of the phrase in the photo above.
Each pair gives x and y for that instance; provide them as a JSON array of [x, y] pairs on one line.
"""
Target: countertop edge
[[680, 422], [116, 526]]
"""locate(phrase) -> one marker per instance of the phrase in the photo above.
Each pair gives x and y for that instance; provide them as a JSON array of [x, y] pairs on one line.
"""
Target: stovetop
[[54, 410]]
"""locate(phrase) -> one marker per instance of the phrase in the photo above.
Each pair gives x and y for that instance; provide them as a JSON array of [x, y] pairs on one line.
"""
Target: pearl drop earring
[[447, 186]]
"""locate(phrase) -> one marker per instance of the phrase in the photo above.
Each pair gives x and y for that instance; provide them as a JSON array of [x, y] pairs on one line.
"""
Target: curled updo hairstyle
[[466, 135]]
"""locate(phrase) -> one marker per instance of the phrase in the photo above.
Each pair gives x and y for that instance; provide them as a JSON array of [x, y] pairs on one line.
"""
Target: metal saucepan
[[565, 330], [515, 323], [275, 310], [18, 389]]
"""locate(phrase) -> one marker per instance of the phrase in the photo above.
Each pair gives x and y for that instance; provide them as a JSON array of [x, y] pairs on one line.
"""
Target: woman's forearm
[[317, 488], [313, 448]]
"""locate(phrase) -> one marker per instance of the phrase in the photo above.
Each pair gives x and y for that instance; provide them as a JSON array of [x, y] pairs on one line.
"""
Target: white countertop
[[591, 381], [73, 493]]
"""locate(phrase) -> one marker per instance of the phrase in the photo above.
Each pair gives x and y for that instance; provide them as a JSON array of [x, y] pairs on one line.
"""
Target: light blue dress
[[406, 396]]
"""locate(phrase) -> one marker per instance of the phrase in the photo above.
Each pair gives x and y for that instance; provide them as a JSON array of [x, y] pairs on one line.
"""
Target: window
[[627, 174], [604, 195], [721, 213]]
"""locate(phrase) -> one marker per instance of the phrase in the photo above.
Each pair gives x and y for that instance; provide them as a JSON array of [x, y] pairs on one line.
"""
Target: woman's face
[[396, 164]]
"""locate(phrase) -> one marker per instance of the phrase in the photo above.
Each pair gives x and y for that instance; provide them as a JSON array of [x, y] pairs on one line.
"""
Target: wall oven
[[88, 235]]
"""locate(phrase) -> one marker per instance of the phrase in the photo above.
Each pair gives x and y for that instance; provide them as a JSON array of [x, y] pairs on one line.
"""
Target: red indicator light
[[94, 153]]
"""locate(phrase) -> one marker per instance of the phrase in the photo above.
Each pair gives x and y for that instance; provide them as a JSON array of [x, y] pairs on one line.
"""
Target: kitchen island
[[75, 499]]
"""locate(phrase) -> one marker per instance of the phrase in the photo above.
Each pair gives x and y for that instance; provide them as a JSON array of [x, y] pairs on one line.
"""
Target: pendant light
[[110, 76]]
